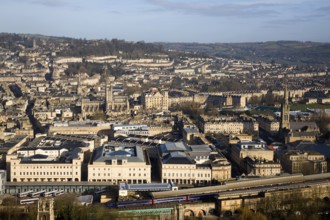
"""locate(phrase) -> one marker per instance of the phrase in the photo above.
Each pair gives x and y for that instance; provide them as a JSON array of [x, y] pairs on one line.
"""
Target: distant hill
[[288, 52], [284, 52], [81, 47]]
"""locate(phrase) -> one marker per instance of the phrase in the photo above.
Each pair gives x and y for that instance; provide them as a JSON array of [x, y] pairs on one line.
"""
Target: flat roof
[[145, 187], [119, 151]]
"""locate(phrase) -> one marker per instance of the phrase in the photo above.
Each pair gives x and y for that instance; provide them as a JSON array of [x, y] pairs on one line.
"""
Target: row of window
[[179, 167], [187, 175], [44, 173], [119, 174], [43, 167], [115, 181], [130, 169]]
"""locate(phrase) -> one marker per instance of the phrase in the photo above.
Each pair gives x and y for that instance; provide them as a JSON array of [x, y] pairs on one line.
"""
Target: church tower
[[46, 209], [79, 88], [108, 90], [35, 45], [285, 110]]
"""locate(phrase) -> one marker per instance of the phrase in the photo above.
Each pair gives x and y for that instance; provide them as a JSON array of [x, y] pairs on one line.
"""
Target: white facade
[[115, 163], [47, 159], [49, 171], [185, 173], [155, 100], [130, 129]]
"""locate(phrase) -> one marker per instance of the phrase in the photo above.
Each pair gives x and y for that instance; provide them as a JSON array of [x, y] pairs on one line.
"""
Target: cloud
[[114, 12], [65, 4], [289, 21], [217, 10], [311, 16], [51, 3], [46, 3], [277, 23], [325, 8]]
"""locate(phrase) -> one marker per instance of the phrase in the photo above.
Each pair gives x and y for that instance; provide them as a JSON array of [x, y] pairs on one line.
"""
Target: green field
[[304, 107]]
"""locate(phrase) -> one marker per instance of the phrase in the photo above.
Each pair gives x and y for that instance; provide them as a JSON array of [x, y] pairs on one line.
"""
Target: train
[[24, 194], [207, 192], [177, 199], [238, 184], [40, 193], [28, 201]]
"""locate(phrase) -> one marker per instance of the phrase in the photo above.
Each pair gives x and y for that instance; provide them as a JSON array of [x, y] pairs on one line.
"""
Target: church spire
[[285, 110], [105, 70], [108, 89]]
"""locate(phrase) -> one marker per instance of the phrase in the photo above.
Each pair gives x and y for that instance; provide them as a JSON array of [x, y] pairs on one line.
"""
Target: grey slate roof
[[312, 147], [172, 146], [119, 151], [177, 158]]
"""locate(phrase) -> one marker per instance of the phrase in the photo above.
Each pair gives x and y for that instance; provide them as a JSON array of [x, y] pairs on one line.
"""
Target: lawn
[[304, 107]]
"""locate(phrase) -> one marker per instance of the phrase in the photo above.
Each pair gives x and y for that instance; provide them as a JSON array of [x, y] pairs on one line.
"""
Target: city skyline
[[115, 129], [170, 21]]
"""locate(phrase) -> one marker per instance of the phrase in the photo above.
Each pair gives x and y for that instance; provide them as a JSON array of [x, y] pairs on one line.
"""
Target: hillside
[[284, 52], [81, 47]]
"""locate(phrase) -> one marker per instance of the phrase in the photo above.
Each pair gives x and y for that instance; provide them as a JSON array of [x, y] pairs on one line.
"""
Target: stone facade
[[115, 163], [155, 100], [303, 162]]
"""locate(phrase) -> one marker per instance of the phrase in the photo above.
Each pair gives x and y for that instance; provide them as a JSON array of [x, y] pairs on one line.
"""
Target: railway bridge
[[196, 209]]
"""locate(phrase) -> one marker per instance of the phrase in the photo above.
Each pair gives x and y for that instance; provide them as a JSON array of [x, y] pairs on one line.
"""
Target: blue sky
[[205, 21]]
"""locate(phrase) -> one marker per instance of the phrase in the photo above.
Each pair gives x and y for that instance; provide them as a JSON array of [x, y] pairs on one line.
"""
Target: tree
[[82, 69], [211, 110], [268, 99], [246, 214], [255, 100]]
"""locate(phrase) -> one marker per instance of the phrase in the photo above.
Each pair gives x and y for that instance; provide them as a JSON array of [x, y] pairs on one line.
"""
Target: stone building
[[46, 209], [115, 104], [155, 100], [116, 163], [268, 124], [285, 111], [228, 125], [304, 162], [302, 131], [191, 164], [90, 107], [261, 167], [79, 127], [254, 158], [47, 159]]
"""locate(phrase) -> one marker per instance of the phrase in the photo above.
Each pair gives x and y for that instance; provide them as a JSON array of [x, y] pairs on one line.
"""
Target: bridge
[[197, 209], [228, 202], [178, 211], [229, 197], [246, 184]]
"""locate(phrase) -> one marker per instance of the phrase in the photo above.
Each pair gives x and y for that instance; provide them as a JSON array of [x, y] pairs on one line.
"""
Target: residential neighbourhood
[[188, 120]]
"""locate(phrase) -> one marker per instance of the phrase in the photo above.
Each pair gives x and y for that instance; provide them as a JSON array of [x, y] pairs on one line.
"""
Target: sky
[[203, 21]]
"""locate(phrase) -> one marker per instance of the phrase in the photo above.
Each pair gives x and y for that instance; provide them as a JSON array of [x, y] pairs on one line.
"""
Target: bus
[[37, 194], [28, 201], [59, 192], [50, 193], [24, 194]]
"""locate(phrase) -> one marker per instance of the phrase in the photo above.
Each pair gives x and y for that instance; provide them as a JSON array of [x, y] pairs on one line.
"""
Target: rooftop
[[177, 158], [51, 150], [54, 143], [119, 151], [172, 146]]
